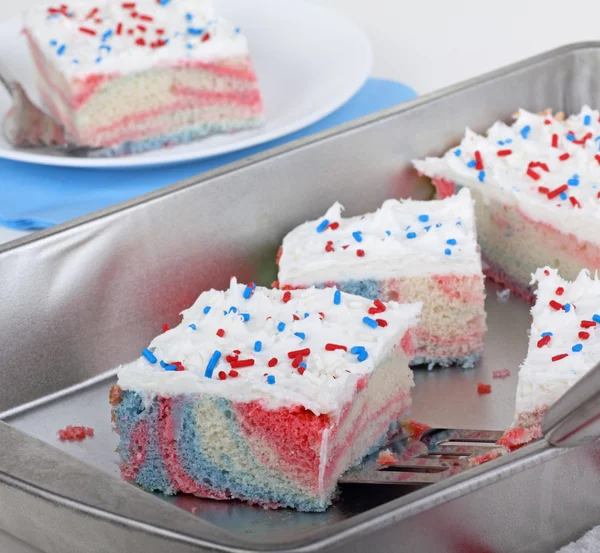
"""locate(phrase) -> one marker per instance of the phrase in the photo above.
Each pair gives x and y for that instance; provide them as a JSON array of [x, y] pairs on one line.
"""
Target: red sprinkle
[[296, 318], [119, 28], [287, 296], [242, 363], [129, 31], [329, 246], [502, 373], [165, 327], [205, 37], [87, 31], [360, 253], [141, 28], [539, 164], [333, 347], [231, 358], [179, 365], [272, 362], [220, 333], [233, 374], [547, 122], [222, 375], [128, 5], [555, 141], [544, 340], [559, 291], [543, 189], [297, 360], [160, 31], [546, 272], [134, 14], [588, 324], [582, 140], [334, 225], [584, 335], [531, 173], [478, 161], [484, 388], [574, 201], [75, 433], [597, 158], [560, 356], [146, 18], [301, 370], [557, 191], [502, 153], [92, 13], [321, 315], [382, 322], [299, 353], [564, 157], [555, 305], [237, 351], [140, 42]]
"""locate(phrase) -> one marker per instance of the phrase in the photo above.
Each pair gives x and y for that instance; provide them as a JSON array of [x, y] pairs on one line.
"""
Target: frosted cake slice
[[131, 76], [406, 251], [535, 185], [267, 396]]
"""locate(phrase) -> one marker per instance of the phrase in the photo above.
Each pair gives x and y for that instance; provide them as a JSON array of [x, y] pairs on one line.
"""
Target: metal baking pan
[[81, 298]]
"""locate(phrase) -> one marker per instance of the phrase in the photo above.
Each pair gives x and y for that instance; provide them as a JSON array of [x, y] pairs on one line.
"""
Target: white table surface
[[433, 44]]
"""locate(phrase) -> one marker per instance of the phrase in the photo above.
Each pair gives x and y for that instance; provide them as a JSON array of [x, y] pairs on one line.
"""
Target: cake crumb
[[494, 454], [386, 458], [75, 433], [414, 429], [515, 438], [502, 373], [503, 295], [484, 388]]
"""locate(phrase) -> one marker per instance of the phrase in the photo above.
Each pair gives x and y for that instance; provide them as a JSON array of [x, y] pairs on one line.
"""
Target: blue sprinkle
[[149, 355], [596, 318], [357, 235], [303, 365], [516, 189], [61, 50], [427, 228], [233, 309], [407, 227], [237, 29], [192, 326], [168, 367], [411, 235], [214, 360], [438, 225], [508, 141], [458, 223], [573, 181], [323, 225], [567, 307], [306, 315], [423, 218], [281, 327], [107, 35], [300, 335], [245, 316], [188, 46], [105, 47], [98, 60], [337, 297], [577, 347], [257, 345], [206, 309], [472, 163], [447, 251], [189, 16], [53, 43], [501, 142], [570, 137], [362, 356], [451, 241], [547, 334], [370, 322], [388, 232], [271, 379], [457, 152], [481, 176], [525, 131], [563, 196], [587, 119], [164, 2], [194, 31], [357, 349], [75, 61], [247, 292]]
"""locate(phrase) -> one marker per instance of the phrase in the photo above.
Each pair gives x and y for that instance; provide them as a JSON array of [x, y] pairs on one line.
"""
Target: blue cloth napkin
[[34, 197]]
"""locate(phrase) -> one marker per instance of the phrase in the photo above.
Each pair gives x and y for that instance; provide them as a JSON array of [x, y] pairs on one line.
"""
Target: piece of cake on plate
[[267, 396], [134, 76], [536, 190], [406, 251], [564, 344]]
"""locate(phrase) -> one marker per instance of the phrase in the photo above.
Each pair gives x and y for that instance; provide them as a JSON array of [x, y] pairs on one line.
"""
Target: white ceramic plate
[[309, 62]]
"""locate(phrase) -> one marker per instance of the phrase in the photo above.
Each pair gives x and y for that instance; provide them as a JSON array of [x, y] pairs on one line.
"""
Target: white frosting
[[413, 246], [331, 377], [541, 380], [79, 53], [505, 178]]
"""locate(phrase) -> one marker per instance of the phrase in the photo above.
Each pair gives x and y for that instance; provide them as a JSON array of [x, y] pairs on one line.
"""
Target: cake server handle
[[574, 419]]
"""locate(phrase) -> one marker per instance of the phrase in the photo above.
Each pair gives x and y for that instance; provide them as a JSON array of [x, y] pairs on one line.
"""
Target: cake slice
[[132, 76], [406, 251], [267, 396], [564, 343], [535, 185]]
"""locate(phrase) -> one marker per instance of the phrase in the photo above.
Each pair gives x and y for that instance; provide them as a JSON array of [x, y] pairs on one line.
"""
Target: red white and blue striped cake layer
[[266, 396], [536, 189], [406, 251], [139, 75]]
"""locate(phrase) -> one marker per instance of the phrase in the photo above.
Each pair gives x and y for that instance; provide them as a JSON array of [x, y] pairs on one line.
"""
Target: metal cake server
[[26, 126], [572, 421]]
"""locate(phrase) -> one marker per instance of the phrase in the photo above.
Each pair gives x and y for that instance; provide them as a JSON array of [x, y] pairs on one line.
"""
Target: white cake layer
[[536, 151], [81, 41], [401, 239], [544, 377], [330, 378]]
